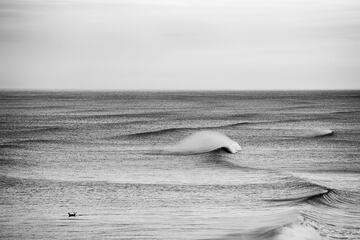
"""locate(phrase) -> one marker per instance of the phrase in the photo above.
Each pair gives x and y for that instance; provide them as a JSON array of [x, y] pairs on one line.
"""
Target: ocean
[[104, 156]]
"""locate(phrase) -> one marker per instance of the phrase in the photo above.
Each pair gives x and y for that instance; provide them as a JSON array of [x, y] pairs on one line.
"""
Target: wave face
[[204, 141]]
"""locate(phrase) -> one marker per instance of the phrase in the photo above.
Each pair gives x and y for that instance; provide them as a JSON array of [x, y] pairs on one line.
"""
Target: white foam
[[318, 132], [298, 232], [204, 141]]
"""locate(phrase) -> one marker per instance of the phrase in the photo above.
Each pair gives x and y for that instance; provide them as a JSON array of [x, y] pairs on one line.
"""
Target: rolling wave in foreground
[[202, 142], [277, 225]]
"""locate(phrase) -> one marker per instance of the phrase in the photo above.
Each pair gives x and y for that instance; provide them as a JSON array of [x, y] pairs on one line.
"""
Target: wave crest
[[319, 133], [203, 141]]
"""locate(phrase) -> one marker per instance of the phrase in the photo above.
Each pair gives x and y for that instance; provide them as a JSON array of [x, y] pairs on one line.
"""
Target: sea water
[[297, 175]]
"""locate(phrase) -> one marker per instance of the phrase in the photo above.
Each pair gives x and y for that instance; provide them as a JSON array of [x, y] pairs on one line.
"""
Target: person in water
[[73, 214]]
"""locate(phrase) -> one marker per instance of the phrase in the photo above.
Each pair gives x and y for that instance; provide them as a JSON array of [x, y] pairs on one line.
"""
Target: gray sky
[[180, 44]]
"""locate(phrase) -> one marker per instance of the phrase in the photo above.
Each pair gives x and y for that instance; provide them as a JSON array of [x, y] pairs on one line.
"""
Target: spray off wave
[[202, 142]]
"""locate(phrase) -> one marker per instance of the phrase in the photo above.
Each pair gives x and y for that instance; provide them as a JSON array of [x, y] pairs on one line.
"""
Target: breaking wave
[[202, 142], [319, 133], [275, 226]]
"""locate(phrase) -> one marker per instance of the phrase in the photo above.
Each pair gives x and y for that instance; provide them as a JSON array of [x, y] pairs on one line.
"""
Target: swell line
[[170, 130]]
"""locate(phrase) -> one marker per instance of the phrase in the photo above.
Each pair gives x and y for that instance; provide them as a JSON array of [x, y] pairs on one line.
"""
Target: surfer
[[73, 214]]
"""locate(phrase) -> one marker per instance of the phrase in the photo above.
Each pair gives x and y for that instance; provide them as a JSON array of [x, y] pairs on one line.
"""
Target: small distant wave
[[202, 142], [319, 133], [306, 133]]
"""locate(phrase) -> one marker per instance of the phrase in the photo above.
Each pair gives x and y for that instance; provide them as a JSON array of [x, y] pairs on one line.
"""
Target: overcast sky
[[180, 44]]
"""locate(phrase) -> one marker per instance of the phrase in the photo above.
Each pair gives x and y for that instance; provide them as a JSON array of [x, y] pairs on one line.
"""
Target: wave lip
[[203, 141]]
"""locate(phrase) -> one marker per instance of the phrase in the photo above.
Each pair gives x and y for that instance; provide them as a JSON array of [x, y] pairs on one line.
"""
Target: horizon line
[[168, 90]]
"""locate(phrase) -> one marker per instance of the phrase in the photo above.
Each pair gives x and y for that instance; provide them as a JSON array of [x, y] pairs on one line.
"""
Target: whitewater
[[180, 165]]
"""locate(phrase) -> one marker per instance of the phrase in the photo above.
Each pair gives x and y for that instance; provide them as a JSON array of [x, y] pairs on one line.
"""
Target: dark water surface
[[94, 153]]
